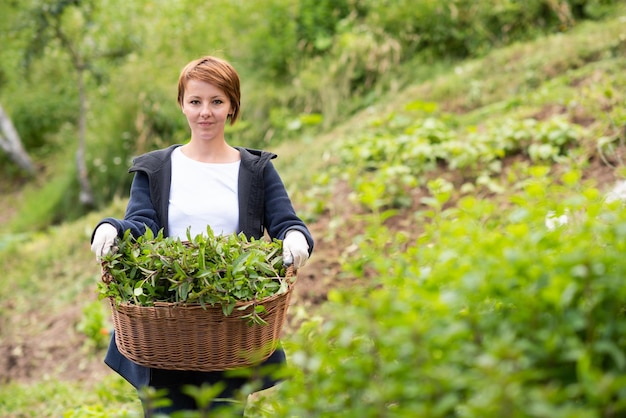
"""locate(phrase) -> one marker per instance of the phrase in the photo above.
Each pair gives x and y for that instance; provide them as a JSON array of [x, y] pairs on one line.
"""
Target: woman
[[204, 182]]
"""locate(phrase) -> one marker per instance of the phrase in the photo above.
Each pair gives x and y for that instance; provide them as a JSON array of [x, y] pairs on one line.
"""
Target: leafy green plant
[[488, 313], [207, 269], [94, 326], [397, 154]]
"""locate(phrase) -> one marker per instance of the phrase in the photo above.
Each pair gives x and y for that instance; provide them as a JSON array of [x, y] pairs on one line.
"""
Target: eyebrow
[[195, 96]]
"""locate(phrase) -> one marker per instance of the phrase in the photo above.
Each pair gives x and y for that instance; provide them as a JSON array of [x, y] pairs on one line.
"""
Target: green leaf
[[207, 269]]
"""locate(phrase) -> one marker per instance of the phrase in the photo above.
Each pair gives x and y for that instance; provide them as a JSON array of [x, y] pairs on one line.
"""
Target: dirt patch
[[549, 111], [57, 352]]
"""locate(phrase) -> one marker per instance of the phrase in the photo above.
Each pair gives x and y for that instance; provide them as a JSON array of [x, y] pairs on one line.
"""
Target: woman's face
[[206, 107]]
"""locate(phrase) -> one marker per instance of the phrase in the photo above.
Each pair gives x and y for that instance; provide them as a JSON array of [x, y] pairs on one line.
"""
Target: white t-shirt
[[202, 194]]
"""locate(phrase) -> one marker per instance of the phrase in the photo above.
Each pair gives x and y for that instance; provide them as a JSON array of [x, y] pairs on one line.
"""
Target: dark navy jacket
[[263, 206]]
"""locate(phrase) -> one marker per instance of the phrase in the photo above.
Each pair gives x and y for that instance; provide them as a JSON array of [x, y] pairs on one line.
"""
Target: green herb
[[207, 269]]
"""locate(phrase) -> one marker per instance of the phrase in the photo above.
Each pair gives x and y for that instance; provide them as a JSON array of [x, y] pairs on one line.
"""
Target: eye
[[217, 101], [194, 101]]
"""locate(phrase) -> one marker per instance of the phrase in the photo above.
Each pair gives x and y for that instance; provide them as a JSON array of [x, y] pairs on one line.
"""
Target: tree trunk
[[86, 194], [11, 144]]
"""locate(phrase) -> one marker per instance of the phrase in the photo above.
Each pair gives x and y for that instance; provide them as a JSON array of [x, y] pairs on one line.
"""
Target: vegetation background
[[454, 160]]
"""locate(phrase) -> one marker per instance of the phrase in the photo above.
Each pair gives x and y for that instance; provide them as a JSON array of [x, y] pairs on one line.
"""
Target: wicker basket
[[190, 337]]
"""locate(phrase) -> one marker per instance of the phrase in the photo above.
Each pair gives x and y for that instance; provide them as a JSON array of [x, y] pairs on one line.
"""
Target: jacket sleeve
[[140, 212], [280, 215]]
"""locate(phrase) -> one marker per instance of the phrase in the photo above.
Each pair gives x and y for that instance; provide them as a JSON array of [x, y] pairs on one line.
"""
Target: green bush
[[488, 313], [38, 118], [463, 28], [318, 23]]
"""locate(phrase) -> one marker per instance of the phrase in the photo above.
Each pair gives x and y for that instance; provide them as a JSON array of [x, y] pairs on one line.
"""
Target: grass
[[111, 397]]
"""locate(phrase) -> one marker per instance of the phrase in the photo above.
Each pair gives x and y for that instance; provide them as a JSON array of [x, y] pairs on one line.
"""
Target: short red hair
[[215, 71]]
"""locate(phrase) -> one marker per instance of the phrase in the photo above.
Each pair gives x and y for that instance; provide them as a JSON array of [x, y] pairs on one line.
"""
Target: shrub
[[488, 313], [38, 117]]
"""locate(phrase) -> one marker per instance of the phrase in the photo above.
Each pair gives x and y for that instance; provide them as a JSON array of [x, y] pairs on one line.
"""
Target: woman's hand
[[103, 240], [295, 249]]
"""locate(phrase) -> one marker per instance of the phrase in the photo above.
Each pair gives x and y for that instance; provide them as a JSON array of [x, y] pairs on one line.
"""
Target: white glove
[[295, 249], [103, 240]]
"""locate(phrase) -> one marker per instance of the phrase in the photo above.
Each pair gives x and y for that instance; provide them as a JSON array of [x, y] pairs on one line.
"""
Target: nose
[[205, 111]]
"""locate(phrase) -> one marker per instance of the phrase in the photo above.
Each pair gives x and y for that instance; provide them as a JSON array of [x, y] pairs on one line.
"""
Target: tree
[[11, 144], [73, 27]]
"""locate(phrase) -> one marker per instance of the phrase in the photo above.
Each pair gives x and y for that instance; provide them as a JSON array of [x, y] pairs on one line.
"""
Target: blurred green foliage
[[488, 313], [111, 397], [93, 324], [297, 58]]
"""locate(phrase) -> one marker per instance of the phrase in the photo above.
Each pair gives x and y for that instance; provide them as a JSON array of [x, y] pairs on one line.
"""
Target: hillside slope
[[578, 76]]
